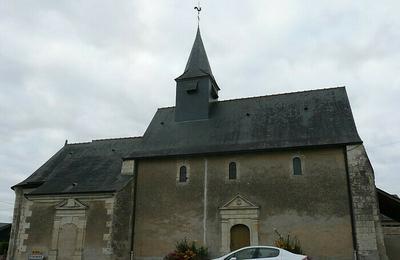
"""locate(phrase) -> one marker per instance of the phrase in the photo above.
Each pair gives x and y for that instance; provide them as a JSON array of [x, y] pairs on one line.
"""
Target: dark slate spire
[[197, 65], [196, 88]]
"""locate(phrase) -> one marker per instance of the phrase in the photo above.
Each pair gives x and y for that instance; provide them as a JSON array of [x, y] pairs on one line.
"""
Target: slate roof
[[197, 64], [84, 168], [292, 120], [285, 121], [389, 204], [4, 225], [300, 119]]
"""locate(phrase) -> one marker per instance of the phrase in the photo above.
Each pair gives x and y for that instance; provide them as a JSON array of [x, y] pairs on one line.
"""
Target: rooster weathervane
[[198, 8]]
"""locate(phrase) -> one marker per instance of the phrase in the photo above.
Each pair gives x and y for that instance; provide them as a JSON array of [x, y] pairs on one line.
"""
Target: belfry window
[[297, 166], [183, 174], [232, 171]]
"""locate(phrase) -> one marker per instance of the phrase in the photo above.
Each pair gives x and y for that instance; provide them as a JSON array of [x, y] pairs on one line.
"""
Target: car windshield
[[254, 253], [267, 252]]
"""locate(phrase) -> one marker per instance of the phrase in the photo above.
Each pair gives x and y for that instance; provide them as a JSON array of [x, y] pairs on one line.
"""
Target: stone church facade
[[222, 173]]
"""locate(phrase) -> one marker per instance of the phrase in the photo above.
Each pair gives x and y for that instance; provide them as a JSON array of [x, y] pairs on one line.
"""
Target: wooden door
[[67, 242], [240, 236]]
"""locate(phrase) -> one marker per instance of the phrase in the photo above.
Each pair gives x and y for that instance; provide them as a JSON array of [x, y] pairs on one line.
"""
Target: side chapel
[[223, 173]]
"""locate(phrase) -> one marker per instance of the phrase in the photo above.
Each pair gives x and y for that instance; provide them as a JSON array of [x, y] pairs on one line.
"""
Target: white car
[[262, 252]]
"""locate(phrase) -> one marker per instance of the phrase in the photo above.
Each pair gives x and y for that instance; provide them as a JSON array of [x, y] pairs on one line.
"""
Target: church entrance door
[[67, 242], [240, 236]]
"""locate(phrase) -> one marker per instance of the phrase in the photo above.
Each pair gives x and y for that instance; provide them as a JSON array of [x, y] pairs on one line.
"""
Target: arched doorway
[[67, 242], [240, 236], [238, 211]]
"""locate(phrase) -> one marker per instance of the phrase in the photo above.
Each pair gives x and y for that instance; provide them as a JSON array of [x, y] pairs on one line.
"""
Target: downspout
[[134, 193], [353, 229], [205, 203]]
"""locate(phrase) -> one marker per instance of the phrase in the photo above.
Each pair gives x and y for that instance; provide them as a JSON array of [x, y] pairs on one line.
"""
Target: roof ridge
[[68, 144], [282, 94], [105, 139], [116, 138], [270, 95]]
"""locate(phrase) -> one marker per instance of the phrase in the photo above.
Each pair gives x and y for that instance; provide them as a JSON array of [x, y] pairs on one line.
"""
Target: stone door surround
[[69, 212], [238, 210]]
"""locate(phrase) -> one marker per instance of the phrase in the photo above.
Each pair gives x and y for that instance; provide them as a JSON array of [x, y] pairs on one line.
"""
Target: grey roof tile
[[83, 168], [197, 64], [4, 225], [308, 118], [300, 119]]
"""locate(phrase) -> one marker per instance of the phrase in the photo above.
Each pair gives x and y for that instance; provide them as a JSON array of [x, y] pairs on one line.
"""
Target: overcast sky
[[83, 70]]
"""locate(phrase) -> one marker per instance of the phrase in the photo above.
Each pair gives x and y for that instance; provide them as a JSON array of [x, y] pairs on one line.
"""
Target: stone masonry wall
[[122, 223], [368, 230], [15, 225]]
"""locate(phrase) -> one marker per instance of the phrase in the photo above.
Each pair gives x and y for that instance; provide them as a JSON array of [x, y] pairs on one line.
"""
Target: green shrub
[[185, 250], [291, 244]]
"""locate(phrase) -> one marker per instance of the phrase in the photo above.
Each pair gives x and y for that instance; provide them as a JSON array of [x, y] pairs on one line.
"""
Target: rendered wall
[[392, 242], [314, 206]]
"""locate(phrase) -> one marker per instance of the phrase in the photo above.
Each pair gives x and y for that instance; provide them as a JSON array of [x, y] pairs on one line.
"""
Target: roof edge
[[388, 195], [28, 185], [243, 151], [69, 193]]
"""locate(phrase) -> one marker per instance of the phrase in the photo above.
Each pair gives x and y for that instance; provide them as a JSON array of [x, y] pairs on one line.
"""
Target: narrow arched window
[[182, 174], [297, 166], [232, 171]]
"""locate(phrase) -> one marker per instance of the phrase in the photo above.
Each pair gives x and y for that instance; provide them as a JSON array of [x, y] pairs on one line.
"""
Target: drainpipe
[[205, 203], [134, 194]]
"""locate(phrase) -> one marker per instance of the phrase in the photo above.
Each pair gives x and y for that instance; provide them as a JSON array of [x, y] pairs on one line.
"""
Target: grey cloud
[[88, 70]]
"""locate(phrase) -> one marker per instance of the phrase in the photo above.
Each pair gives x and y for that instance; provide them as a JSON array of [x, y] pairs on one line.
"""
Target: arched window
[[182, 174], [232, 171], [297, 166]]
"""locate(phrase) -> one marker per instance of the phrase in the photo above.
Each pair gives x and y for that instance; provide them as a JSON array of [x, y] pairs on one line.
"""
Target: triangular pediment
[[70, 204], [239, 202]]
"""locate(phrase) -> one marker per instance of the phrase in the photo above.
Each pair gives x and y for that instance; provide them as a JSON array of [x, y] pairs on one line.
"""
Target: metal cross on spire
[[198, 8]]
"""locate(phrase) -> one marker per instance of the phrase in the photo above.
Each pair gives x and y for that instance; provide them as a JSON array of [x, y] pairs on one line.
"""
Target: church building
[[225, 174]]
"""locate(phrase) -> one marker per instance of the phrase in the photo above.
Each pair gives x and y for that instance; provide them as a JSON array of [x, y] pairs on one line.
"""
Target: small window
[[297, 166], [182, 174], [232, 171]]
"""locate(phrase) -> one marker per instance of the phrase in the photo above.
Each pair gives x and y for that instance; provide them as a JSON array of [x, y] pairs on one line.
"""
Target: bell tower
[[196, 88]]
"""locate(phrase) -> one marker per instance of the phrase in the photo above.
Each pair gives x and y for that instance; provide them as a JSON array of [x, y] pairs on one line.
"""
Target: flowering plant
[[187, 251], [291, 244]]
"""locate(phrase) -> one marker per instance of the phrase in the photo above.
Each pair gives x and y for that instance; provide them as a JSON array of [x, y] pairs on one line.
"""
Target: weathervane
[[198, 8]]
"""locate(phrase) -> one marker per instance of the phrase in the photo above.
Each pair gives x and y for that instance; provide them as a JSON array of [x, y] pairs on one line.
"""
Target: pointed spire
[[196, 87], [197, 64]]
